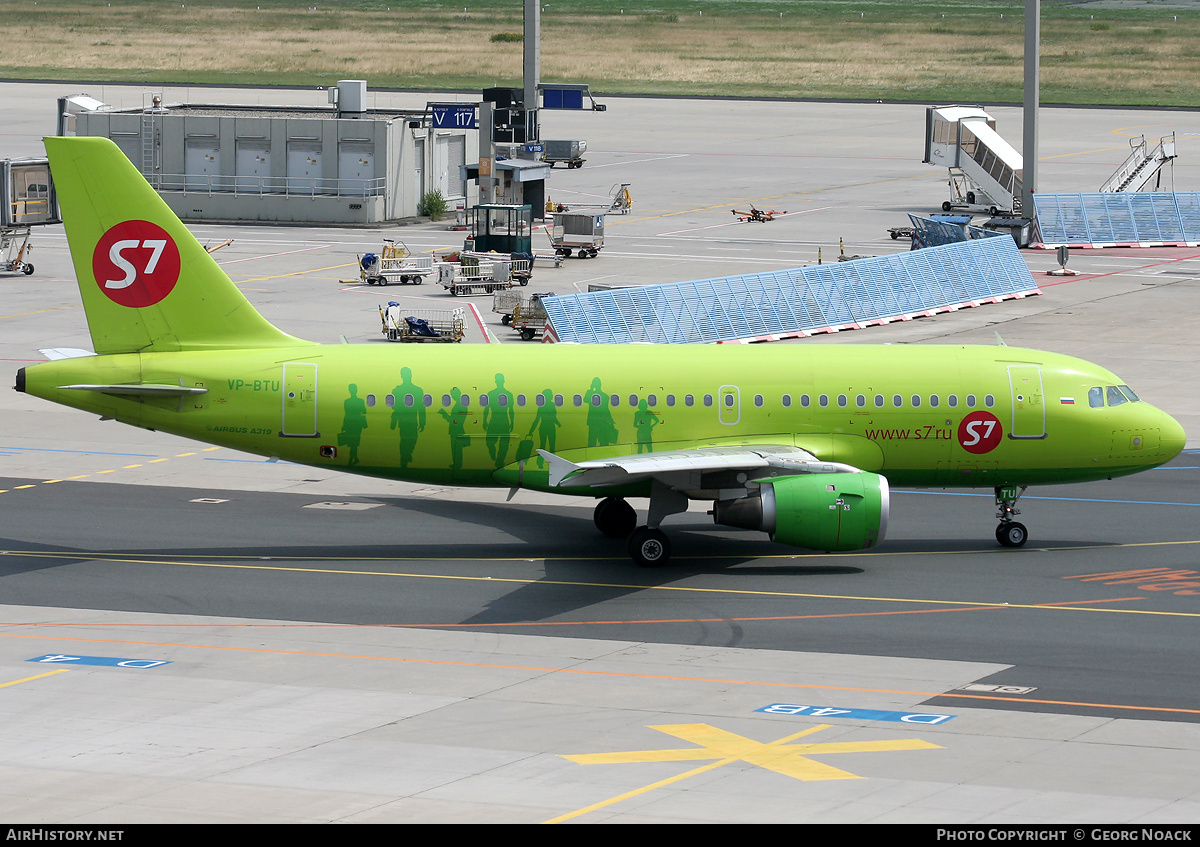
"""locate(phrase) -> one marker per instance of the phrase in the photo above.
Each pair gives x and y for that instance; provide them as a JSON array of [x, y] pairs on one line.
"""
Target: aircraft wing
[[674, 466]]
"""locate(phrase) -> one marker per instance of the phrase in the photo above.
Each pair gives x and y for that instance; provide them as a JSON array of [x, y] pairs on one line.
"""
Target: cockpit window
[[1128, 392], [1115, 397], [1096, 397]]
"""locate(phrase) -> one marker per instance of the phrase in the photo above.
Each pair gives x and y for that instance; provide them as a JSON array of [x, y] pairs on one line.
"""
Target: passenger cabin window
[[952, 400], [804, 401], [688, 399], [989, 400], [897, 400], [970, 401], [787, 400]]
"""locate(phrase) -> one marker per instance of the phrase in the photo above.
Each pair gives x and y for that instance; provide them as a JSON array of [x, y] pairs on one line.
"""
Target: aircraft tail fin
[[147, 284]]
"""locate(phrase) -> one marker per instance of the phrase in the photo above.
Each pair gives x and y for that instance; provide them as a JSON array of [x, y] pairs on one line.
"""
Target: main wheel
[[1012, 534], [615, 518], [649, 548]]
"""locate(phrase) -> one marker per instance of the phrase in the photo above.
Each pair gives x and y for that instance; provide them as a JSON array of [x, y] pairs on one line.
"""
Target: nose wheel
[[1010, 533]]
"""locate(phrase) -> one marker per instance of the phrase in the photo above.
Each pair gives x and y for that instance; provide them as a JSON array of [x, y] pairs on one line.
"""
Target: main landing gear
[[648, 545], [1010, 533]]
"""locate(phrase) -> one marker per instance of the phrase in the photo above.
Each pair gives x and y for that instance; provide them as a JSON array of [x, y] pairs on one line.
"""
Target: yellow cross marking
[[719, 747]]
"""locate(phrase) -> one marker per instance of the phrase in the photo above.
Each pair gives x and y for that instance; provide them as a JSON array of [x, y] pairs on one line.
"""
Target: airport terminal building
[[343, 164]]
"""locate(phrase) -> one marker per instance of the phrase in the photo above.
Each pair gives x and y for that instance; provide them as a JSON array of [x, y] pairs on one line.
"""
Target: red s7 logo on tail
[[136, 264]]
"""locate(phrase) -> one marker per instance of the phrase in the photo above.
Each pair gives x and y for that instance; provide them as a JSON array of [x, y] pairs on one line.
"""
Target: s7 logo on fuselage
[[980, 432]]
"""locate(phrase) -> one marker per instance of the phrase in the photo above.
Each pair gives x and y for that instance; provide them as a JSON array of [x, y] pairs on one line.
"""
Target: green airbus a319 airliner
[[797, 441]]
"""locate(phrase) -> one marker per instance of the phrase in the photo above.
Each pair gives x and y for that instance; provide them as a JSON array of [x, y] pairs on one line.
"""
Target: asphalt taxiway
[[304, 646]]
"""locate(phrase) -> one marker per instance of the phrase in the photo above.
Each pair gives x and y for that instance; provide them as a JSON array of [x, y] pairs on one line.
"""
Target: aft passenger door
[[299, 400]]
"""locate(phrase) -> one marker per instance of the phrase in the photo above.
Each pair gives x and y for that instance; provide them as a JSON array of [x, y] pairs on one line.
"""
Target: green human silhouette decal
[[644, 421], [545, 422], [354, 421], [408, 414], [602, 429], [498, 417], [457, 418]]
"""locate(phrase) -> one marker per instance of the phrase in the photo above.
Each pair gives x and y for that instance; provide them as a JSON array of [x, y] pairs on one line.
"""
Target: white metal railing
[[262, 185], [1129, 167]]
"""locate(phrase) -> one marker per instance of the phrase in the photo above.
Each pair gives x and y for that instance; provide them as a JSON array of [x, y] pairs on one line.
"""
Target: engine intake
[[830, 512]]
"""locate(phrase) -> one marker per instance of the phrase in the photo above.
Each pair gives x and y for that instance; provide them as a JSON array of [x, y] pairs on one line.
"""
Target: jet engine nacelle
[[831, 512]]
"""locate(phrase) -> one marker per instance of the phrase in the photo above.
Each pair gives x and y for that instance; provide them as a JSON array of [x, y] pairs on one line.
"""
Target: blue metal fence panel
[[1118, 217], [801, 299]]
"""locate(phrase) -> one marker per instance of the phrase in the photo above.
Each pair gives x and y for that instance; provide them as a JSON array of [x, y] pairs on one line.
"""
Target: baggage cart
[[421, 325], [569, 153], [578, 232], [394, 264], [503, 304], [529, 316], [483, 273]]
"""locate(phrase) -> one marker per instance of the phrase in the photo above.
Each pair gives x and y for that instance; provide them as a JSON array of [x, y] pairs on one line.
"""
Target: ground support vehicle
[[394, 264], [569, 153], [473, 274], [10, 237], [422, 324], [578, 232], [898, 232], [528, 315]]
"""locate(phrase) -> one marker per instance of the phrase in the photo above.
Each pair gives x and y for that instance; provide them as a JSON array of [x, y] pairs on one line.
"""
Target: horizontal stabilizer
[[139, 390], [56, 353]]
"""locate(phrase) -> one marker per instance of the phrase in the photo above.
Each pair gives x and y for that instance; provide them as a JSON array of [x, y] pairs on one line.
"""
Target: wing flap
[[622, 470]]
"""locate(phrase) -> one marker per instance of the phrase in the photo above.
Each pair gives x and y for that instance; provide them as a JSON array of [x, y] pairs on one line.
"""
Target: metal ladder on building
[[1135, 173], [149, 133]]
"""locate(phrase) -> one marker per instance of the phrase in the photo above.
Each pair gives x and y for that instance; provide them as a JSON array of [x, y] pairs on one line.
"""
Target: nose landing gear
[[1010, 533]]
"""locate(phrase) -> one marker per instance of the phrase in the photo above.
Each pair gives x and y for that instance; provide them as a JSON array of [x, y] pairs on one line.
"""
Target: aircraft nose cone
[[1172, 439]]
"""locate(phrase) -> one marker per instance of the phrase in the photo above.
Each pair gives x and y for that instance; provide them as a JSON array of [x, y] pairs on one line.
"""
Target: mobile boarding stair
[[1142, 166], [985, 170]]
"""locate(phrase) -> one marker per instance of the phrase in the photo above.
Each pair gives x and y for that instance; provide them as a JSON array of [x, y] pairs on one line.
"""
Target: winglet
[[558, 467]]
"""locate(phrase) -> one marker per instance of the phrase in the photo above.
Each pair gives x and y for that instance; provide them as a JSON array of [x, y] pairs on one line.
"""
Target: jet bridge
[[985, 170]]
